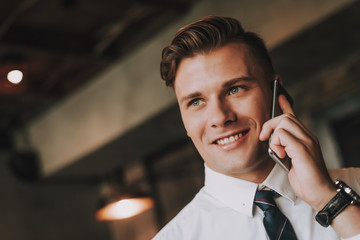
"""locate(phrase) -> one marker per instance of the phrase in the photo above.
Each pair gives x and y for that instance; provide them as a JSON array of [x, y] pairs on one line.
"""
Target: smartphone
[[275, 111]]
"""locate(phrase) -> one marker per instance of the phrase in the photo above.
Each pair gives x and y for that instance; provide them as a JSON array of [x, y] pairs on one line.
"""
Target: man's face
[[224, 99]]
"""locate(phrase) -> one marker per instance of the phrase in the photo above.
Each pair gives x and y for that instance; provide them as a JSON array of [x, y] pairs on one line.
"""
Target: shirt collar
[[278, 181], [232, 192], [239, 194]]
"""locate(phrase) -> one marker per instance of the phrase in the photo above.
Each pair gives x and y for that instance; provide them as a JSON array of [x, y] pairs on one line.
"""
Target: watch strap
[[337, 204]]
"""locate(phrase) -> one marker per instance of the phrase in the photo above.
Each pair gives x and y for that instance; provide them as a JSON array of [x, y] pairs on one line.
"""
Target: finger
[[278, 149], [271, 124], [292, 124], [285, 105], [286, 121], [283, 142], [306, 162], [301, 154]]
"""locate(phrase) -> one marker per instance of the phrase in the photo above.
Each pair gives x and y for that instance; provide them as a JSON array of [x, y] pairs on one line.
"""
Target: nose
[[221, 114]]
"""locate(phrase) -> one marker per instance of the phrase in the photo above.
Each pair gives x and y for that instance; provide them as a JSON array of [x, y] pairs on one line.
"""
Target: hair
[[205, 35]]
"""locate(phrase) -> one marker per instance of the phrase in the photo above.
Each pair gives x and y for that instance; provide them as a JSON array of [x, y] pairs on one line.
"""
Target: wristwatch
[[337, 204]]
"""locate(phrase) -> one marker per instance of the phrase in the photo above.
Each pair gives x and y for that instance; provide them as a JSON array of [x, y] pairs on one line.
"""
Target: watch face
[[323, 218]]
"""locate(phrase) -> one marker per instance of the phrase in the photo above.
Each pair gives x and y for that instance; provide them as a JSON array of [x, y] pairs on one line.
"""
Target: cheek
[[193, 125], [258, 108], [263, 109]]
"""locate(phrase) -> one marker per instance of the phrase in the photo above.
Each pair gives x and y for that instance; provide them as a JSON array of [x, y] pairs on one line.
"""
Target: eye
[[234, 90], [196, 102]]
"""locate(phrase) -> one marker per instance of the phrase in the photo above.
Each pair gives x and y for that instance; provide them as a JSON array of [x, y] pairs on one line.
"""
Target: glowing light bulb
[[125, 208], [15, 76]]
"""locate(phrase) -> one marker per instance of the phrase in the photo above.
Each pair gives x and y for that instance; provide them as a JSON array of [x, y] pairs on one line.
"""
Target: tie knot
[[276, 224], [265, 199]]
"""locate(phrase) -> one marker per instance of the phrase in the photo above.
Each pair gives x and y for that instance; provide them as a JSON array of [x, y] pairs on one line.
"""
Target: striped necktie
[[276, 224]]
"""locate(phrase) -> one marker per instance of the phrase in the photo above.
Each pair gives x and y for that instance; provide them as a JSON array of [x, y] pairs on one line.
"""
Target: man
[[222, 77]]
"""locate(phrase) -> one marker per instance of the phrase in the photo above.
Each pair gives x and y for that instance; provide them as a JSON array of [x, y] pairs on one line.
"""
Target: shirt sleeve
[[352, 177], [356, 237]]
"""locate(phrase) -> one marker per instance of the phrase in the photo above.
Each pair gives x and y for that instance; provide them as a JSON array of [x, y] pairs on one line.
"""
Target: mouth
[[232, 138]]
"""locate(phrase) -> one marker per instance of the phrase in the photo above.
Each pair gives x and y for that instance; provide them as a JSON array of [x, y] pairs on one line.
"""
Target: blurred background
[[85, 117]]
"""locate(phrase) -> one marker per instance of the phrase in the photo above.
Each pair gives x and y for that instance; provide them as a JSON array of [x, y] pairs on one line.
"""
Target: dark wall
[[47, 210]]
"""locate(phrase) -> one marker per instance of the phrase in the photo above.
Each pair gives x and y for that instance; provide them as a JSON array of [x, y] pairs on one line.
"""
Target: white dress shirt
[[223, 209]]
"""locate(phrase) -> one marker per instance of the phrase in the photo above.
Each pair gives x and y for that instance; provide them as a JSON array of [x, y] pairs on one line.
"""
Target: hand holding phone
[[309, 177], [283, 162]]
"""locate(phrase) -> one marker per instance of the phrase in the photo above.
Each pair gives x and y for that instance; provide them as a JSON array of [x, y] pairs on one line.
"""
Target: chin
[[231, 165], [253, 160]]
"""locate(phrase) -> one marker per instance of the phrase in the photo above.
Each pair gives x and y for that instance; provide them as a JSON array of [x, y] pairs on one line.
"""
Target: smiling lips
[[233, 138]]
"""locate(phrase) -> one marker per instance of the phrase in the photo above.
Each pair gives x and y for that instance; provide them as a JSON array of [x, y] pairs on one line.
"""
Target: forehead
[[231, 61]]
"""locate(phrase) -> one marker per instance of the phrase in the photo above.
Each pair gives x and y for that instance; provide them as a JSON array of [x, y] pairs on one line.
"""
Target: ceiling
[[59, 45]]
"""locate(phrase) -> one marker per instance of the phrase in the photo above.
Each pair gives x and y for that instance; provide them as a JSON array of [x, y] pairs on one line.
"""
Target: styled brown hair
[[205, 35]]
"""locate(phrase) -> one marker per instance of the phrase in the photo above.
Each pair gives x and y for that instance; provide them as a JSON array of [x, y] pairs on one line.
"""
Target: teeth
[[229, 139]]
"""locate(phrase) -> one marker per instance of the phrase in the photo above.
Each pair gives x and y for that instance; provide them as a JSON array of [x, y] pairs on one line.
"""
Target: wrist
[[324, 197]]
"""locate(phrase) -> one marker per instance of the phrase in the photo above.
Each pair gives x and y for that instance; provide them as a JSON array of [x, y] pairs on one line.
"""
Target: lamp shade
[[124, 208], [121, 200]]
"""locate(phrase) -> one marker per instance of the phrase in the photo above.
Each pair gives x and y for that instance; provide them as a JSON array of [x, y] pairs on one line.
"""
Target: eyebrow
[[190, 96], [234, 81], [227, 84]]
